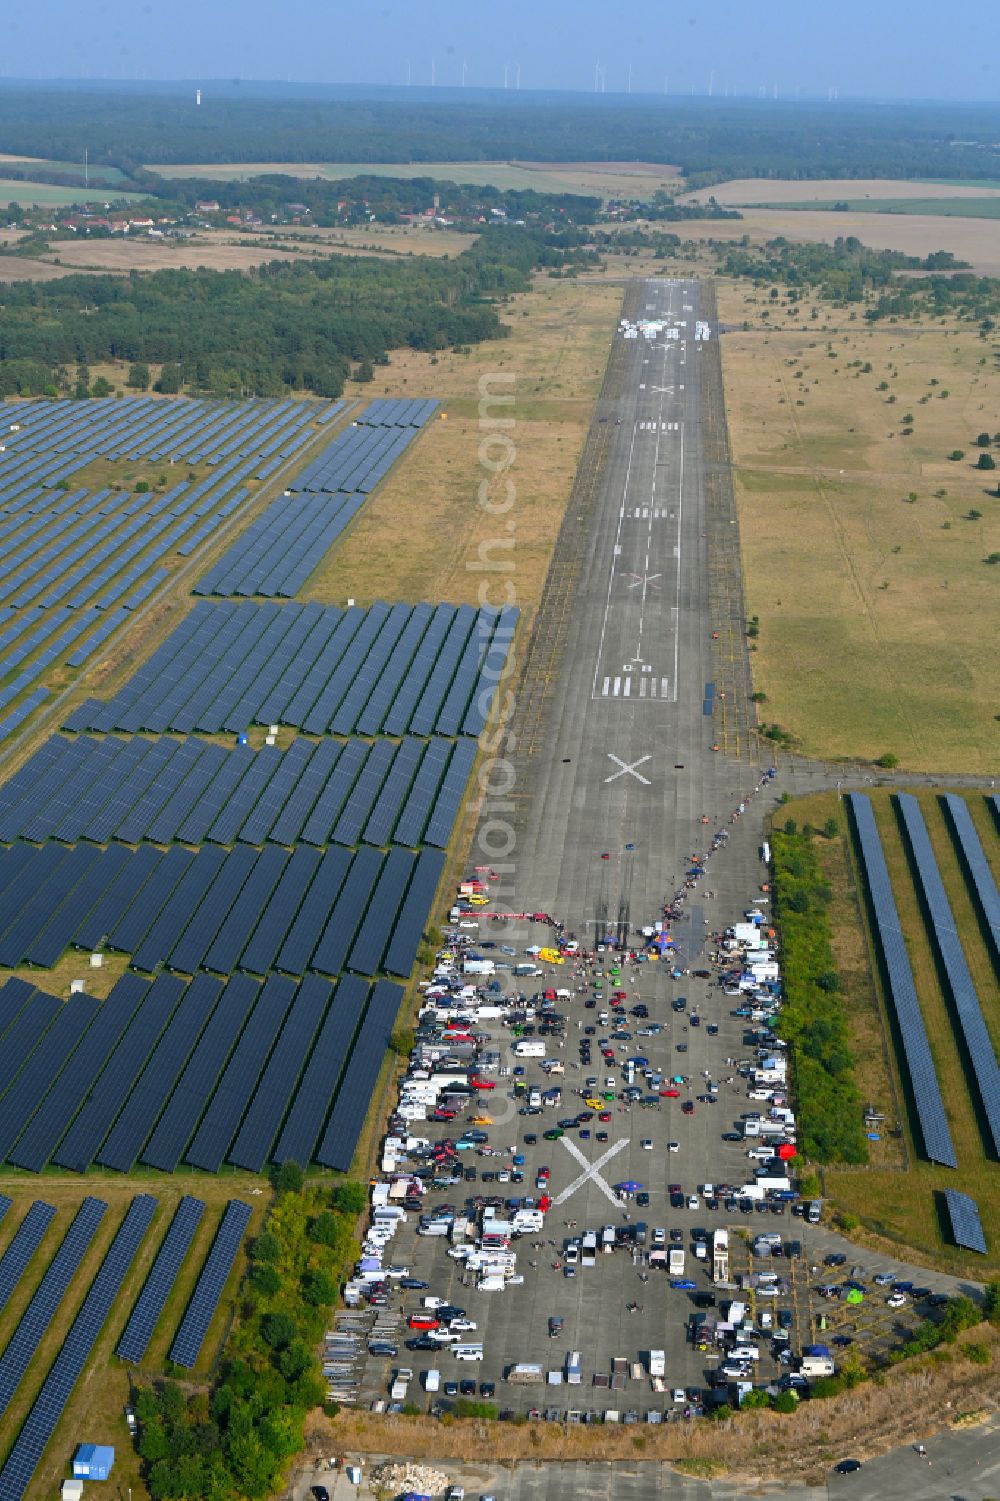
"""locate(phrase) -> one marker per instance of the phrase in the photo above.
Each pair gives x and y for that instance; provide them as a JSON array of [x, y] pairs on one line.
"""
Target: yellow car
[[551, 956], [478, 901], [482, 1120], [593, 1103]]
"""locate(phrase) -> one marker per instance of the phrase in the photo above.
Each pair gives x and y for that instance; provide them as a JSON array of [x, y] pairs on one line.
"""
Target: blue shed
[[93, 1461]]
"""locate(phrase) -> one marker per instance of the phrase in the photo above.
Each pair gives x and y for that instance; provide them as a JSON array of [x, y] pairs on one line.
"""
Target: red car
[[621, 995], [423, 1321], [604, 1116], [670, 1094], [543, 1173], [441, 1115], [478, 1083]]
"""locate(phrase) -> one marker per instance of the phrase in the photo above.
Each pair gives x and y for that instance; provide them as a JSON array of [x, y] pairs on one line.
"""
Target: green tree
[[318, 1289], [288, 1178], [349, 1198], [265, 1279], [278, 1330], [169, 382], [983, 440], [266, 1247], [138, 376], [787, 1402], [101, 387], [986, 461]]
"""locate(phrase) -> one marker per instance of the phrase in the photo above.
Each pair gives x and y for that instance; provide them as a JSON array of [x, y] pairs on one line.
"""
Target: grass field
[[106, 173], [874, 609], [896, 1205], [419, 537], [960, 208], [759, 190], [604, 179], [96, 1410], [44, 195]]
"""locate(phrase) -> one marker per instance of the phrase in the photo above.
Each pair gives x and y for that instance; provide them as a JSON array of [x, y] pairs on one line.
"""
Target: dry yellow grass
[[419, 537], [875, 612]]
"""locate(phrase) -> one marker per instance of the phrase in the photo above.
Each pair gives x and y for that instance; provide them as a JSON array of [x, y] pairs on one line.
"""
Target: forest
[[126, 127], [284, 326]]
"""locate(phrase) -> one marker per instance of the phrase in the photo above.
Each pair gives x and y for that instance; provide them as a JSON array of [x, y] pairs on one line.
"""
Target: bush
[[288, 1178], [349, 1198], [986, 461], [978, 1353], [991, 1302], [887, 761], [786, 1402]]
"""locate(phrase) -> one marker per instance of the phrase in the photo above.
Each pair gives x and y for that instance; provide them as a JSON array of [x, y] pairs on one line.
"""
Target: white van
[[744, 1352], [467, 1352], [432, 1381], [574, 1374], [529, 1047]]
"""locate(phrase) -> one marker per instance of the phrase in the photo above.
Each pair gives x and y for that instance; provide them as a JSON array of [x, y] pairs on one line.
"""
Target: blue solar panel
[[924, 1084], [210, 1285], [354, 1098], [46, 1299], [76, 1350], [156, 1289], [977, 866], [25, 1242], [949, 946], [966, 1226], [318, 1086], [43, 1069]]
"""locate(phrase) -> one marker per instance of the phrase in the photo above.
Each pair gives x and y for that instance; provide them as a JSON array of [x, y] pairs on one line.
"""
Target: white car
[[647, 1145], [896, 1300], [692, 1201], [673, 1146], [462, 1325], [679, 1394], [431, 1301]]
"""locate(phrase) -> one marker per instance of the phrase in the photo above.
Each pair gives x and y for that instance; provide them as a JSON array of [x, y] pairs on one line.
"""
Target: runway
[[626, 771]]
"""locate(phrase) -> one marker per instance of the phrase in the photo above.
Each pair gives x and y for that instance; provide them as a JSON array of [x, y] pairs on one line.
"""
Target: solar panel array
[[942, 921], [926, 1090], [204, 1072], [208, 1289], [978, 867], [386, 668], [130, 790], [47, 1297], [200, 909], [158, 1286], [277, 553], [47, 1409], [966, 1226], [75, 563]]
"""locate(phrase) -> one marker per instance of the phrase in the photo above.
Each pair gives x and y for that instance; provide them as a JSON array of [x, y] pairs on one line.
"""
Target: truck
[[432, 1380], [619, 1373], [814, 1211], [814, 1366], [400, 1382], [676, 1262], [574, 1373], [657, 1362], [588, 1255], [478, 967], [524, 1373], [529, 1047]]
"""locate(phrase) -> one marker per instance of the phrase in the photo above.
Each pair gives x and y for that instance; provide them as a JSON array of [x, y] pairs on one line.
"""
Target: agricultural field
[[606, 179], [556, 353], [894, 1197], [863, 545], [960, 208], [757, 191], [45, 195]]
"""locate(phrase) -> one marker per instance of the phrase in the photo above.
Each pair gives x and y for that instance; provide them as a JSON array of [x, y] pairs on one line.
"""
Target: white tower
[[197, 96]]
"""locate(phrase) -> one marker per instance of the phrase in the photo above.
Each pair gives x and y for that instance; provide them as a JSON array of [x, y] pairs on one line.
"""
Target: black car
[[383, 1347], [416, 1284], [731, 1136], [676, 1236], [746, 1206], [784, 1318], [677, 1201], [937, 1300], [920, 1293], [487, 1388], [843, 1340], [422, 1342], [834, 1260], [320, 1493], [467, 1388], [449, 1311], [530, 1138], [642, 1199], [847, 1467]]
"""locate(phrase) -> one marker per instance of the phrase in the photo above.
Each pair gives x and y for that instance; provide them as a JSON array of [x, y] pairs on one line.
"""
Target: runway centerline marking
[[591, 1170], [628, 768]]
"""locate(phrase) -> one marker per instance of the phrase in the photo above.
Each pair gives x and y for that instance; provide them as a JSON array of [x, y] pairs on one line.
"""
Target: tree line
[[285, 326], [710, 139]]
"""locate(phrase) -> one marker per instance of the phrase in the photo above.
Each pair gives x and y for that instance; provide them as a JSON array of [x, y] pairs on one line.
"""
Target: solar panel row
[[46, 1299], [25, 1242], [159, 1284], [209, 1288], [230, 664], [925, 1089], [48, 1406], [949, 946], [966, 1226], [343, 1128], [276, 554], [977, 866]]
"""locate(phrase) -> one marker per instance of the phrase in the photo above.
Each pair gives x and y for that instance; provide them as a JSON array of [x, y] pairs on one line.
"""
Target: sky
[[807, 48]]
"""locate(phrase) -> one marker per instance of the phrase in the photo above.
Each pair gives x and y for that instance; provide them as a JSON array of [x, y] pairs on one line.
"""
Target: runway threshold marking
[[591, 1170]]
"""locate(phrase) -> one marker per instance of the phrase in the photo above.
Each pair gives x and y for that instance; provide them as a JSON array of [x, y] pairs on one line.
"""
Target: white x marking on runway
[[591, 1170], [627, 768]]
